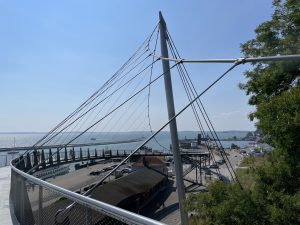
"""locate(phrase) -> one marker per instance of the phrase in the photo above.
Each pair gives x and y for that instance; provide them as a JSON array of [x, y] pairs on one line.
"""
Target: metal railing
[[35, 201]]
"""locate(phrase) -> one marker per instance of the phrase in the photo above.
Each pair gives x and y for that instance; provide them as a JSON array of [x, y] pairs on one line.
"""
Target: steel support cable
[[244, 60], [194, 110], [229, 167], [212, 128], [118, 121], [123, 92], [151, 35], [136, 111], [185, 84], [131, 115], [43, 144], [189, 79], [88, 192], [98, 121], [94, 126], [188, 90], [50, 132], [179, 113], [149, 93], [83, 104], [199, 121], [103, 106], [140, 112], [91, 108], [36, 147], [101, 101], [216, 138], [135, 124]]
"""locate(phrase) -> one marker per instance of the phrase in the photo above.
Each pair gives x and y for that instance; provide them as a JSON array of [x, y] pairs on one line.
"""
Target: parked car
[[107, 169], [126, 170], [95, 173], [113, 166], [214, 166], [220, 162]]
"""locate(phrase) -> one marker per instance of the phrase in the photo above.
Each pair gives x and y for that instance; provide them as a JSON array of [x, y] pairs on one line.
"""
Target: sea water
[[161, 142]]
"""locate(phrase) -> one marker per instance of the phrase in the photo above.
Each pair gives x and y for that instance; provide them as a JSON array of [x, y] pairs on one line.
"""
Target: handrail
[[107, 209]]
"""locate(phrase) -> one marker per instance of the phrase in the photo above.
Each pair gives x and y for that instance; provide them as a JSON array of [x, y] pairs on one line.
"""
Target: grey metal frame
[[172, 124], [102, 207]]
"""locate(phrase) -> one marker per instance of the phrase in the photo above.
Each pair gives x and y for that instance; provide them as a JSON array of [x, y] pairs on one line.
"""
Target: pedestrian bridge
[[121, 104]]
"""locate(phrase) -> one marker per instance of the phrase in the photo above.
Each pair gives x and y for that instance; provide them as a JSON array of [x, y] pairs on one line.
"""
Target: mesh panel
[[34, 204]]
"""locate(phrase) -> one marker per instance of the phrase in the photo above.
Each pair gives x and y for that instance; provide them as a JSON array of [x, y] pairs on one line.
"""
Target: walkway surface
[[5, 217]]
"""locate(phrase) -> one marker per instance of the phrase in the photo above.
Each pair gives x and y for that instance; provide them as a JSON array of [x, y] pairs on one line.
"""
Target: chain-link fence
[[35, 201]]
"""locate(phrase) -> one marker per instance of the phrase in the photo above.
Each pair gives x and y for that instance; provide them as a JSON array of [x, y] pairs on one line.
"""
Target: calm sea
[[161, 143]]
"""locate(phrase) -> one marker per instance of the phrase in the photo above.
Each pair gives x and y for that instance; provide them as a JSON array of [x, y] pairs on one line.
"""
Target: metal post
[[171, 114]]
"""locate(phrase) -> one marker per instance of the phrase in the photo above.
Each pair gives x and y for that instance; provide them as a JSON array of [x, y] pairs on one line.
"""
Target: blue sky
[[55, 54]]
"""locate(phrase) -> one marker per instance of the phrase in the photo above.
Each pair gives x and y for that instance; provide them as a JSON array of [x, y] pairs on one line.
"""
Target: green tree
[[274, 90], [226, 205]]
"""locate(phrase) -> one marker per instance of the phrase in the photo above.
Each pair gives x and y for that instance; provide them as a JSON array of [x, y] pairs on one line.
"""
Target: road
[[234, 158]]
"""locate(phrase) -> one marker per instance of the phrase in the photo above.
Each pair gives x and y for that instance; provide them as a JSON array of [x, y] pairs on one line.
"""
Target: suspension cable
[[208, 121]]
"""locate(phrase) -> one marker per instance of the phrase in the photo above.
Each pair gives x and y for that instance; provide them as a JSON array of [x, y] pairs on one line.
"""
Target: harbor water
[[160, 143]]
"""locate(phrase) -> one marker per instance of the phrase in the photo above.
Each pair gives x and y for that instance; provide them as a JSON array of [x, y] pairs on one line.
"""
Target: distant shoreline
[[42, 132]]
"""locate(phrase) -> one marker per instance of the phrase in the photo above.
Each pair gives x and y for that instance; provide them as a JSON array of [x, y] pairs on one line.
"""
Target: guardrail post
[[80, 154], [88, 154], [73, 154], [66, 155], [40, 214], [96, 156], [57, 156]]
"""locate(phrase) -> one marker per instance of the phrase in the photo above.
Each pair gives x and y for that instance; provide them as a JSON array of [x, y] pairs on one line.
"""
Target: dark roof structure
[[134, 184]]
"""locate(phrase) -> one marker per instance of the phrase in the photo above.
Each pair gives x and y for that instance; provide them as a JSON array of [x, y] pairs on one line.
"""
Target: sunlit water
[[161, 143]]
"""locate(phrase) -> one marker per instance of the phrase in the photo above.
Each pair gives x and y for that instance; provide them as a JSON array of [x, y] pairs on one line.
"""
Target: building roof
[[135, 183]]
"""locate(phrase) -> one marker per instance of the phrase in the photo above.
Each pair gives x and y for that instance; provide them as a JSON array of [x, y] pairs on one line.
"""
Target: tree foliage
[[274, 86], [274, 89]]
